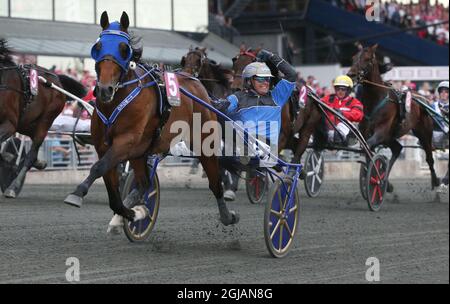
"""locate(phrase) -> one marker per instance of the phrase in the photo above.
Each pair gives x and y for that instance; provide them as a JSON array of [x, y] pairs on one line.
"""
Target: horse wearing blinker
[[128, 124]]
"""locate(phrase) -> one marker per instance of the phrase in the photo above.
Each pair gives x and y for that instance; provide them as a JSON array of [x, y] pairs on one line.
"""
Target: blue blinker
[[110, 40]]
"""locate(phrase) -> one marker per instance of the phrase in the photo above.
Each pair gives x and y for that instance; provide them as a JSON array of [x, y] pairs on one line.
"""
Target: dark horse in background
[[26, 114], [214, 77], [138, 131], [383, 123]]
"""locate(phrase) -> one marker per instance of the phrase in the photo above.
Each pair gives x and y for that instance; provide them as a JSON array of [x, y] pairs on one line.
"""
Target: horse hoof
[[9, 193], [40, 164], [115, 225], [114, 230], [390, 188], [140, 213], [232, 219], [235, 216], [74, 200]]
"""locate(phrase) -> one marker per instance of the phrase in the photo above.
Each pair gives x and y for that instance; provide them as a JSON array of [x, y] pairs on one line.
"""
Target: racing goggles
[[261, 79], [341, 88]]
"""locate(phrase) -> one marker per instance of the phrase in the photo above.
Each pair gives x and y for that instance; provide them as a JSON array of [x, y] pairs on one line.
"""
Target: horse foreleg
[[425, 138], [113, 156], [211, 167], [13, 190], [396, 148], [6, 131], [142, 180]]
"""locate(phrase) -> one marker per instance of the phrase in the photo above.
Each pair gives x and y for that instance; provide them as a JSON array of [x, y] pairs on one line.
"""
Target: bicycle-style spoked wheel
[[377, 171], [139, 231], [256, 186], [314, 171], [281, 218]]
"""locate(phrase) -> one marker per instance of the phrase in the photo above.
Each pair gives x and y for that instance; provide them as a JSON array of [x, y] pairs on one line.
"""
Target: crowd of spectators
[[222, 25], [407, 15]]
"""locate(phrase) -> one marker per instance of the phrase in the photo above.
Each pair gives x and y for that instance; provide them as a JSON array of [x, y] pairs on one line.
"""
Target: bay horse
[[139, 130], [26, 113], [383, 123], [214, 77]]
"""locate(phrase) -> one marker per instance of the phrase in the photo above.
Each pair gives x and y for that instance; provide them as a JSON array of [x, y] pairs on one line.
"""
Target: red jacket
[[351, 108]]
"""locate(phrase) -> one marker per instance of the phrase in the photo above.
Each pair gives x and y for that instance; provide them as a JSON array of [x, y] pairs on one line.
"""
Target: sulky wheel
[[376, 181], [314, 172], [281, 218], [256, 186], [363, 180], [9, 168], [139, 231]]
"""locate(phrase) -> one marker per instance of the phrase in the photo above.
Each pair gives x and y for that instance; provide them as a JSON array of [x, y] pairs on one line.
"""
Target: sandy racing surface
[[337, 233]]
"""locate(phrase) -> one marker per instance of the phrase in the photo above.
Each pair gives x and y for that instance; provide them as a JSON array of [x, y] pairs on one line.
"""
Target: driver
[[258, 107], [350, 107]]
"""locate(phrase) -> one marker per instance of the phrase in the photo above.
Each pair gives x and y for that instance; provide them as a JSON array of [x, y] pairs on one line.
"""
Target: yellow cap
[[343, 81]]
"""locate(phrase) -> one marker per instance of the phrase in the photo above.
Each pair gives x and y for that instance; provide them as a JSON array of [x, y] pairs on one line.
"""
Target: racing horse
[[127, 92], [28, 113], [213, 76], [383, 121]]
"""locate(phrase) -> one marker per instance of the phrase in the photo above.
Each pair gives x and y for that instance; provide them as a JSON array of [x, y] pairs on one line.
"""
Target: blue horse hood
[[110, 40]]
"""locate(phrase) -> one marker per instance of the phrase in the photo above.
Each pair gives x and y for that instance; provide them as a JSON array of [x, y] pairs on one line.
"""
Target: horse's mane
[[220, 73], [5, 53]]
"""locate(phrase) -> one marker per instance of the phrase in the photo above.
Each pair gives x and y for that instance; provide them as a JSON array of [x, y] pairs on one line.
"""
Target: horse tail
[[72, 86]]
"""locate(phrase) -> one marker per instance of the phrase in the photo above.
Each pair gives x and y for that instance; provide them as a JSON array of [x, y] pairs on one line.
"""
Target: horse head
[[240, 61], [194, 61], [112, 53], [364, 63]]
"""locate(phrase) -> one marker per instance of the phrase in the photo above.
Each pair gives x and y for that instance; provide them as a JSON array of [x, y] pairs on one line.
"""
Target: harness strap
[[136, 91], [378, 107]]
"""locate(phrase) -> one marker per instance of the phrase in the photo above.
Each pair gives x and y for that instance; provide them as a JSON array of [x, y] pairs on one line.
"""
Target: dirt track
[[337, 233]]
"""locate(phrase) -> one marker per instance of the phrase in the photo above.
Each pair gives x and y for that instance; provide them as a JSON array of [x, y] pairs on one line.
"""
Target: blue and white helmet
[[442, 85], [256, 69]]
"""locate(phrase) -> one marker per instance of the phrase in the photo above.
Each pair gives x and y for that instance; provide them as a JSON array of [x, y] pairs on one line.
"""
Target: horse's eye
[[98, 46], [124, 50]]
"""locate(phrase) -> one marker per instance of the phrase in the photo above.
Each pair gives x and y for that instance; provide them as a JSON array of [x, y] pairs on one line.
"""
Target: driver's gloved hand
[[221, 105], [264, 55]]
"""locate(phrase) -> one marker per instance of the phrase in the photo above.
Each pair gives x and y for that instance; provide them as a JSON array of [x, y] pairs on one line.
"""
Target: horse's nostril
[[110, 90]]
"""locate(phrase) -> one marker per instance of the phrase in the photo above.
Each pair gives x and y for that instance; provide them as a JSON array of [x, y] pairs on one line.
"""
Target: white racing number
[[172, 89], [33, 82], [302, 97]]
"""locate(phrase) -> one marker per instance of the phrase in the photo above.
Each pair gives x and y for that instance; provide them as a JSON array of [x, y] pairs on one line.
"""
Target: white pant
[[341, 128], [64, 123]]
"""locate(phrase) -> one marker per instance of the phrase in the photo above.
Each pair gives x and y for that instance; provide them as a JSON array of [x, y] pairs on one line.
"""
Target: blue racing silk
[[261, 115]]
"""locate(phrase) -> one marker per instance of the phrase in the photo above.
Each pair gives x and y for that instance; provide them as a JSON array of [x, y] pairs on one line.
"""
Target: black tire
[[376, 181], [279, 240], [363, 180], [139, 231], [256, 186], [9, 170], [314, 173]]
